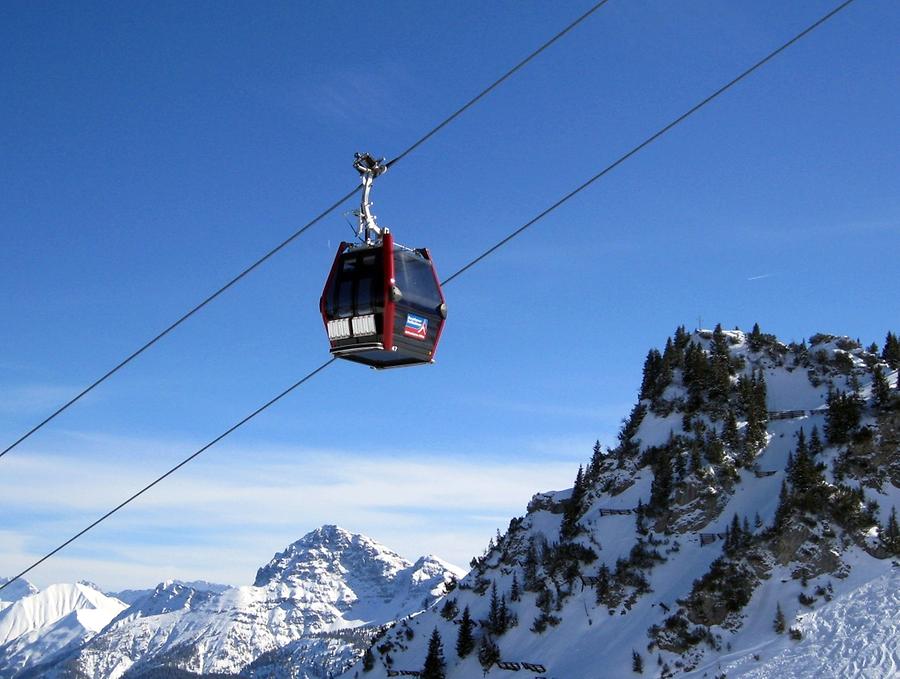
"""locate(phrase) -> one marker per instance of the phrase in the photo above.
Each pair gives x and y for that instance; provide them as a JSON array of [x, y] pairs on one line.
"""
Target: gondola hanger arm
[[369, 168]]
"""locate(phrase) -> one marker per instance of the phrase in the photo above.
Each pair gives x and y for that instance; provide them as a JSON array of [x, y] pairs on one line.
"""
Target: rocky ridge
[[753, 483]]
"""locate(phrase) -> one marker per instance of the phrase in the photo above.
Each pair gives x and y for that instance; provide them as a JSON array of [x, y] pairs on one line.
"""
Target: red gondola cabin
[[382, 304]]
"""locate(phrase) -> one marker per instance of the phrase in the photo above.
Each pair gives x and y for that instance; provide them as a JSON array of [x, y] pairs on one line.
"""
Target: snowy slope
[[42, 625], [57, 601], [667, 599], [854, 635], [15, 591], [330, 580]]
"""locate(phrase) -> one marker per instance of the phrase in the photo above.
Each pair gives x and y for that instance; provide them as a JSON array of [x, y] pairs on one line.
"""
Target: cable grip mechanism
[[369, 168]]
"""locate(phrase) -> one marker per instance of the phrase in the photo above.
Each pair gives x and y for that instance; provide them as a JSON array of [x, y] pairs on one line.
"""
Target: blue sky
[[152, 151]]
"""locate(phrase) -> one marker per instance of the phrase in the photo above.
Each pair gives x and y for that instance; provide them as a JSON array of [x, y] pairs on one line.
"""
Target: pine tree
[[681, 337], [733, 536], [639, 512], [784, 508], [449, 609], [719, 342], [596, 463], [494, 610], [815, 442], [719, 371], [807, 482], [503, 617], [760, 393], [695, 376], [696, 460], [653, 368], [881, 387], [514, 592], [465, 641], [569, 526], [713, 447], [730, 431], [801, 442], [627, 446], [637, 662], [435, 666], [661, 486], [842, 416], [529, 568], [801, 353], [488, 653], [754, 339], [789, 466], [779, 623], [368, 660], [891, 537], [679, 466], [753, 400], [891, 351], [544, 598], [602, 585]]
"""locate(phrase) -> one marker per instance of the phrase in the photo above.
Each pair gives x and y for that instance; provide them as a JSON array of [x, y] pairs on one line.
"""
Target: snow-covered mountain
[[312, 610], [743, 525], [130, 596], [42, 625], [15, 591]]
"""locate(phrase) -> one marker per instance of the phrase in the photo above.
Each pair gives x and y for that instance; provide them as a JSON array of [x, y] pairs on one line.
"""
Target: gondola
[[382, 304]]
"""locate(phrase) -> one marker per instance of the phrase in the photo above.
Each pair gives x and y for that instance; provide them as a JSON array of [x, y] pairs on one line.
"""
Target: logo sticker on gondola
[[416, 327]]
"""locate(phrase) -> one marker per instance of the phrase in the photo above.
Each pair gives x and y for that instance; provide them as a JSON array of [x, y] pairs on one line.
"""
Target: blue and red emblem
[[416, 327]]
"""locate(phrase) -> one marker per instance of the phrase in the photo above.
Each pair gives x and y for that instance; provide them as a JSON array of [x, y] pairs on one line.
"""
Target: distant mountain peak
[[91, 585], [331, 549], [336, 539], [328, 533], [42, 624], [16, 590]]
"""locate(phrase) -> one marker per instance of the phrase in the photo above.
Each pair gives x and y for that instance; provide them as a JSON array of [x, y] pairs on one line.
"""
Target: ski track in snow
[[857, 635]]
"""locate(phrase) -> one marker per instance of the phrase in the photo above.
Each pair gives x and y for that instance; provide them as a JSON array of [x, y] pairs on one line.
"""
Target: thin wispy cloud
[[30, 398], [237, 509], [760, 277]]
